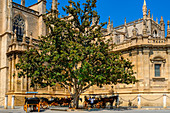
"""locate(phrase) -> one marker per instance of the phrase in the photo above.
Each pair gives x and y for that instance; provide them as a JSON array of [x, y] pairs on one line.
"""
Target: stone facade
[[142, 41]]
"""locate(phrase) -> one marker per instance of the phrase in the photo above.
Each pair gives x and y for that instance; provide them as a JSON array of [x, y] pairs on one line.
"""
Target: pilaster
[[9, 73], [13, 71], [42, 10], [146, 67], [4, 64], [16, 73], [135, 63], [168, 67], [140, 71]]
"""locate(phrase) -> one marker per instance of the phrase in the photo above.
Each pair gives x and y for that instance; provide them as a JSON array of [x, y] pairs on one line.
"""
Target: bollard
[[13, 99], [6, 102], [164, 101], [139, 101]]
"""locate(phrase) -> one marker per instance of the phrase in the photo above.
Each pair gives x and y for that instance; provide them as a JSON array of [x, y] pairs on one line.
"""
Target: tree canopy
[[75, 53]]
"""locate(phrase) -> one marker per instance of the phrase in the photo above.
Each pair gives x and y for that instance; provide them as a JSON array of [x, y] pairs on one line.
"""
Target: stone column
[[146, 67], [135, 63], [16, 74], [168, 67], [13, 70], [22, 83], [6, 102], [13, 99], [25, 83], [9, 74], [140, 66]]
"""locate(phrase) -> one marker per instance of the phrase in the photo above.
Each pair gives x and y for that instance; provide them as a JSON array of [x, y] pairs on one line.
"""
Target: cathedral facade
[[142, 41]]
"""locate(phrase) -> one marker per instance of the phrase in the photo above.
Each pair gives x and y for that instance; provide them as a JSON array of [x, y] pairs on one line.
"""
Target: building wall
[[143, 50], [144, 57], [31, 22], [1, 10]]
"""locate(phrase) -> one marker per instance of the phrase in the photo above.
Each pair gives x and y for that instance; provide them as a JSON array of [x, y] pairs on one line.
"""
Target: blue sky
[[119, 9]]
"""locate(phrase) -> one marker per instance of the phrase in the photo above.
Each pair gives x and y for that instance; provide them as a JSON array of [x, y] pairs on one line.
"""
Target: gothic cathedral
[[142, 41]]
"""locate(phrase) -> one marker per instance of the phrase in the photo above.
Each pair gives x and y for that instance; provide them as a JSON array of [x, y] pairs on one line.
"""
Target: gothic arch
[[155, 33], [21, 14], [19, 25]]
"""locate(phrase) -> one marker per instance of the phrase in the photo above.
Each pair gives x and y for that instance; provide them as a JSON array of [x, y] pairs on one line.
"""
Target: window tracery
[[117, 39], [155, 34], [19, 26]]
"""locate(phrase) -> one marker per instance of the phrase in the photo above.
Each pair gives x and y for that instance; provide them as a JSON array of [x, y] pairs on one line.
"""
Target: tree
[[75, 54]]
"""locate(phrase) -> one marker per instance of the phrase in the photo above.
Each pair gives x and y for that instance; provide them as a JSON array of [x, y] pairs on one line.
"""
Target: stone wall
[[31, 22]]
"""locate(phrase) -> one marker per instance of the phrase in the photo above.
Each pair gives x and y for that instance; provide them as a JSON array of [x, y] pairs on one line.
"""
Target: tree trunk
[[75, 101]]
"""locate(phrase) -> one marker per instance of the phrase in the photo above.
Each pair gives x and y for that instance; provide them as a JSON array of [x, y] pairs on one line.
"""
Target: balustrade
[[15, 5]]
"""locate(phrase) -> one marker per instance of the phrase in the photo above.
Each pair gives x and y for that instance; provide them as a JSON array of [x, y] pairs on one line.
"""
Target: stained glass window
[[19, 25]]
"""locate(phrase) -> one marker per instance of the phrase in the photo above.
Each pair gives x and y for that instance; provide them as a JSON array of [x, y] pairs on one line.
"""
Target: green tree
[[75, 54]]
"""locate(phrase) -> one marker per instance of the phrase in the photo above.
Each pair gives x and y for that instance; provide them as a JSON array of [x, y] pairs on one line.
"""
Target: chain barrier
[[2, 100], [167, 96], [128, 100], [151, 99], [18, 99]]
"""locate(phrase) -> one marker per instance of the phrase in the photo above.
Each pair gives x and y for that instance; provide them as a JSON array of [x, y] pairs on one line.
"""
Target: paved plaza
[[89, 111]]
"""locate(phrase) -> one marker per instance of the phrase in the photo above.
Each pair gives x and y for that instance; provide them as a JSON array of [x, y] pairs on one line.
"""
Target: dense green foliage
[[75, 54]]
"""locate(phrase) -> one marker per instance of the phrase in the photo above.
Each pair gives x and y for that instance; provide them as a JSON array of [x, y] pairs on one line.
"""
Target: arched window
[[155, 33], [19, 26], [117, 39]]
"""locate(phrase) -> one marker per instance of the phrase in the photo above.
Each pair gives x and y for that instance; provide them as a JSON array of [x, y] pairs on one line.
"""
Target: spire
[[54, 5], [109, 21], [161, 21], [108, 26], [168, 29], [24, 37], [12, 38], [112, 23], [23, 2], [111, 26], [71, 5], [134, 31], [152, 16], [144, 4], [162, 24], [15, 36], [149, 13], [94, 19], [126, 30], [144, 29], [144, 10], [156, 20]]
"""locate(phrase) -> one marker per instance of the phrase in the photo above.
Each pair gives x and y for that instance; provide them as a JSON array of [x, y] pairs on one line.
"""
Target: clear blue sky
[[119, 9]]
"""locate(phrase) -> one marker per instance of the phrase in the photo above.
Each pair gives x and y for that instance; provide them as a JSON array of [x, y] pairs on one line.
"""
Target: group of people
[[92, 101]]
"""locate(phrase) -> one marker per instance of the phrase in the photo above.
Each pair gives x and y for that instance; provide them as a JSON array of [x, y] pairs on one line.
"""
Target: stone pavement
[[90, 111]]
